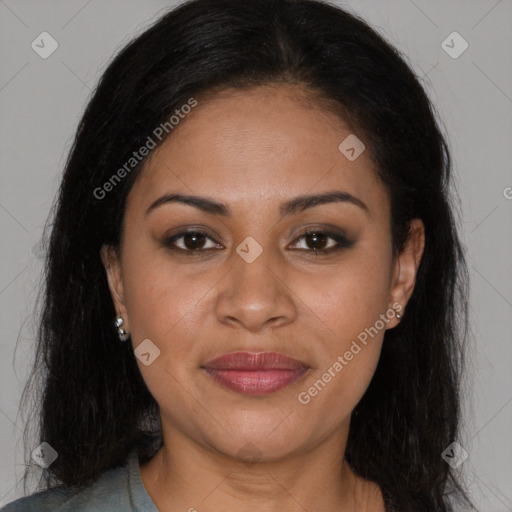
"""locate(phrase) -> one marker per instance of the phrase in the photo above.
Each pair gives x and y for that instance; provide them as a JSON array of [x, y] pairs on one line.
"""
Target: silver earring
[[398, 315], [123, 335]]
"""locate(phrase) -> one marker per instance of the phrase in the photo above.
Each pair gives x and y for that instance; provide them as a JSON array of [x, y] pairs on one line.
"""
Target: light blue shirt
[[117, 490]]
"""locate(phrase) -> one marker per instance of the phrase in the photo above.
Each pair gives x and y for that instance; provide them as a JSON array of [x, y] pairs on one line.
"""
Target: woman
[[256, 293]]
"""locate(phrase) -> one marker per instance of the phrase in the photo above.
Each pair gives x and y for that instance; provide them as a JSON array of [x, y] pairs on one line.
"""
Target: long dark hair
[[94, 405]]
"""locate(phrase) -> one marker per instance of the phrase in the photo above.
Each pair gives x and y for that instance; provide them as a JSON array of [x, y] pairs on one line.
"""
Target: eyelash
[[342, 242]]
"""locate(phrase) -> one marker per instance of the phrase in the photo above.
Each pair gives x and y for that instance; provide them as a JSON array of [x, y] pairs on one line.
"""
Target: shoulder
[[41, 501], [109, 492]]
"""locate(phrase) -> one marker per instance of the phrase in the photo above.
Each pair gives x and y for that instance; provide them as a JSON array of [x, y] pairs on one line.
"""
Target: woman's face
[[252, 282]]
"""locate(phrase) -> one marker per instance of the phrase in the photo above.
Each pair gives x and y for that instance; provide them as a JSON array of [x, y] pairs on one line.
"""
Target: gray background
[[41, 101]]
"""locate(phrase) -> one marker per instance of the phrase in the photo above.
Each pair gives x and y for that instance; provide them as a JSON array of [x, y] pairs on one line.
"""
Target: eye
[[190, 241], [317, 241]]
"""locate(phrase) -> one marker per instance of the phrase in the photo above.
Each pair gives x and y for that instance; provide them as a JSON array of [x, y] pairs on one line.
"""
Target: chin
[[262, 442]]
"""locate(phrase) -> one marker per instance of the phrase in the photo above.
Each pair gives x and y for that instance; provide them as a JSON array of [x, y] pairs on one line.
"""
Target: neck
[[188, 475]]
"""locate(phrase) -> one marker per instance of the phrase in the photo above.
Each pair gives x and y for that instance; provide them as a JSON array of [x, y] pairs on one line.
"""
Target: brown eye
[[317, 241], [191, 241]]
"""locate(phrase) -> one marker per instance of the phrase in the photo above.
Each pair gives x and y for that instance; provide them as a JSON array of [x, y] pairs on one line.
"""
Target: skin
[[253, 150]]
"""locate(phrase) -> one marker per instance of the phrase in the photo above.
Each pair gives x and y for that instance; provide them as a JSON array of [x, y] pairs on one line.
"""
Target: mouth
[[255, 374]]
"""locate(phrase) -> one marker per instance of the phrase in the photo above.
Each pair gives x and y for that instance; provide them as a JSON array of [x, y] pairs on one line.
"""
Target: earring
[[123, 335], [398, 315]]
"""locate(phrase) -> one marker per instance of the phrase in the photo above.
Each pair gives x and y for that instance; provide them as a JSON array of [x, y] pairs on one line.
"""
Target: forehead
[[265, 143]]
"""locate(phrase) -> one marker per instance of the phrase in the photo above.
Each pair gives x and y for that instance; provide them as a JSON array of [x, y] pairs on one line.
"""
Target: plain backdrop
[[41, 101]]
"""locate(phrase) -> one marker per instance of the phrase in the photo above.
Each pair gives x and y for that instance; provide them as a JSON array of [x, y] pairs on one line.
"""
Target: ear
[[112, 265], [405, 268]]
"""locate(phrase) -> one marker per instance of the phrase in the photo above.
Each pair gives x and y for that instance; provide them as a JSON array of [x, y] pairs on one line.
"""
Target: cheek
[[332, 392], [350, 350], [157, 294], [164, 307], [350, 298], [168, 305], [351, 306]]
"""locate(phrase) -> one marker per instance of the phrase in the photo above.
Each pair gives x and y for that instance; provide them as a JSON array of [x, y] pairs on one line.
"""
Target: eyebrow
[[292, 206]]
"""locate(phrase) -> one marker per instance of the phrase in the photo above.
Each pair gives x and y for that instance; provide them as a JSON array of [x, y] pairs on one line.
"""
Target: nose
[[255, 296]]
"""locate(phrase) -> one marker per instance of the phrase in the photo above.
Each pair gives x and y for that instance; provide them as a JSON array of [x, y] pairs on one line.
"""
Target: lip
[[253, 373]]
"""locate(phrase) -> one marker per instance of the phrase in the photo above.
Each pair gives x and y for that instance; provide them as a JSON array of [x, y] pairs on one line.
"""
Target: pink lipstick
[[255, 373]]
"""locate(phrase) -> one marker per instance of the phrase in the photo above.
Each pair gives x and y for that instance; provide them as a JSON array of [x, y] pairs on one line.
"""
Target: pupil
[[194, 237], [317, 238]]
